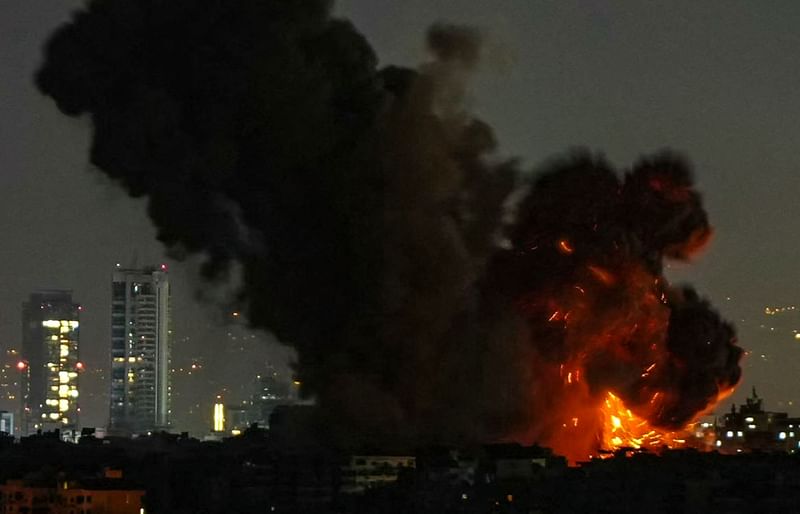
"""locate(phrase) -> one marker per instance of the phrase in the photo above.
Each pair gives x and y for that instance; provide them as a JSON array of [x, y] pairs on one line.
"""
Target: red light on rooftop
[[21, 365], [163, 267], [79, 366]]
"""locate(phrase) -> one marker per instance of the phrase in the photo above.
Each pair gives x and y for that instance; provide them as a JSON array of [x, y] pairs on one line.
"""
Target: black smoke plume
[[365, 207]]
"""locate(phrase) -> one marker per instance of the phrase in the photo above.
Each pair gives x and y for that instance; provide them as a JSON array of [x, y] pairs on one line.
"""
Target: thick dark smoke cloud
[[360, 204], [364, 209]]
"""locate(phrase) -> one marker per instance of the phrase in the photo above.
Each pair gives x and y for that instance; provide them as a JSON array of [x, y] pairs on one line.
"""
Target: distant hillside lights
[[785, 317], [772, 311]]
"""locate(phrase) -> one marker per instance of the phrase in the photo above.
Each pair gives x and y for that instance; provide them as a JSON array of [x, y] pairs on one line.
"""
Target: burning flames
[[598, 426], [571, 331], [608, 344], [617, 368], [623, 429]]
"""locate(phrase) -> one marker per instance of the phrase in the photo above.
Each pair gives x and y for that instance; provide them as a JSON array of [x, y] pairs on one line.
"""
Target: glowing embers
[[570, 376], [602, 274], [624, 429]]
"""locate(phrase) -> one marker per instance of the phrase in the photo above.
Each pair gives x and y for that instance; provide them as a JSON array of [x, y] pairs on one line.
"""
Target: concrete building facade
[[140, 350]]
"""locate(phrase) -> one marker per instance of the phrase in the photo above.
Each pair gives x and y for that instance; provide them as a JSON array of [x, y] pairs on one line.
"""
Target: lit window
[[751, 427], [782, 436], [719, 443], [729, 433], [739, 434], [749, 419]]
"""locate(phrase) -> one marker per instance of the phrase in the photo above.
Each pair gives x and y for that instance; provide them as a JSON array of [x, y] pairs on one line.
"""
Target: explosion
[[621, 357], [367, 212], [621, 429]]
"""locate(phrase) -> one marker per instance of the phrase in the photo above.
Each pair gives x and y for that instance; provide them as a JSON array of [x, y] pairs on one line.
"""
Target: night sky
[[715, 80]]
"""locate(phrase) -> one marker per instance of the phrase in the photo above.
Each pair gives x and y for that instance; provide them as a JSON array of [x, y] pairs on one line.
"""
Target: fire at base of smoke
[[364, 207]]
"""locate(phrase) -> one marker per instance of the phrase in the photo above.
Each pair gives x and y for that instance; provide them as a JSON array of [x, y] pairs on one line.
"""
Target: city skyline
[[746, 269], [429, 256], [191, 371]]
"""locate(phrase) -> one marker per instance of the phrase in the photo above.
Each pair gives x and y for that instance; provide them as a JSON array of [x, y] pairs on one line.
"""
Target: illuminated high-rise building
[[219, 416], [140, 350], [50, 361]]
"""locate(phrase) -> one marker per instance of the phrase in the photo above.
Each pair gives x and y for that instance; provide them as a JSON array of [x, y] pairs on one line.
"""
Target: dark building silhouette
[[259, 472], [269, 391]]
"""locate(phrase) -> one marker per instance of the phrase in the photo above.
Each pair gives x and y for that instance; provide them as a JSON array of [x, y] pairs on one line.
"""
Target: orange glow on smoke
[[602, 275], [603, 341], [616, 358], [697, 243]]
